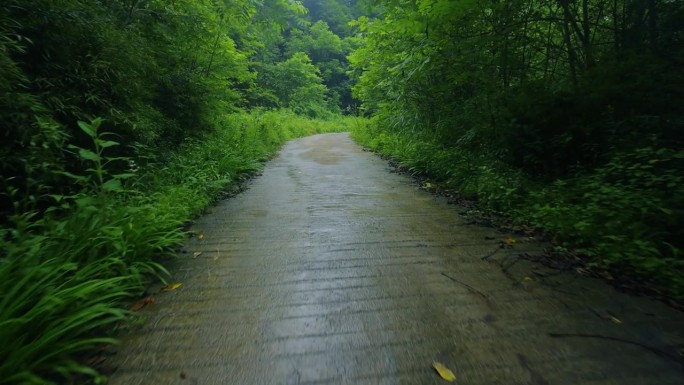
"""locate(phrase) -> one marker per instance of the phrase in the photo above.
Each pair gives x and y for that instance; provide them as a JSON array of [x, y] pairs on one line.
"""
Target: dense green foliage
[[66, 274], [157, 72], [326, 49], [566, 114], [121, 120]]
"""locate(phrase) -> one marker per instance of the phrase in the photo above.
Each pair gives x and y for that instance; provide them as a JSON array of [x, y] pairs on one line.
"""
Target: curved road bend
[[332, 270]]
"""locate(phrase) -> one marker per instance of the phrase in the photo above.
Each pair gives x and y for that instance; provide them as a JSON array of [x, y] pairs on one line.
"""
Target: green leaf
[[57, 197], [113, 185], [88, 155], [124, 176], [113, 158], [85, 201], [107, 143], [665, 210], [73, 176], [87, 128]]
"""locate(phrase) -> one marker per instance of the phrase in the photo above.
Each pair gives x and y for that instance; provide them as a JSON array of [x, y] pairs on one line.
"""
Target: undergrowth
[[625, 215], [67, 273]]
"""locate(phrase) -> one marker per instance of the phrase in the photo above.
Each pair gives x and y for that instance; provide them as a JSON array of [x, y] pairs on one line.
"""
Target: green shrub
[[624, 215], [495, 185]]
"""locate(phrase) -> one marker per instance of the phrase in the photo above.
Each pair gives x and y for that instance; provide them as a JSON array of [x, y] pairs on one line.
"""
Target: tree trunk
[[586, 36], [567, 39]]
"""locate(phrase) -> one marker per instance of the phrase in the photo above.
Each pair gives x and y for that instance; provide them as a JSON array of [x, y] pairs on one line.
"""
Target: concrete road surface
[[330, 269]]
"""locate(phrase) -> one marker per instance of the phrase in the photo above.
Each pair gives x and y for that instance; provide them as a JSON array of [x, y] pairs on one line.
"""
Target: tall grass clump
[[56, 310], [184, 182], [65, 273]]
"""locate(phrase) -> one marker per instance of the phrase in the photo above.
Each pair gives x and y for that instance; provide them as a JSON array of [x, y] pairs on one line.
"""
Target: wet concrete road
[[332, 270]]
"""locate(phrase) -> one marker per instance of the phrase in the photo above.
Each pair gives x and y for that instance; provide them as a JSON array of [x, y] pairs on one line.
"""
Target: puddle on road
[[324, 150]]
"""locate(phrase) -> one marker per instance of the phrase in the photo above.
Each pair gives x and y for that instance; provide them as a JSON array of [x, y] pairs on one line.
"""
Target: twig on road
[[486, 257], [651, 349], [472, 289]]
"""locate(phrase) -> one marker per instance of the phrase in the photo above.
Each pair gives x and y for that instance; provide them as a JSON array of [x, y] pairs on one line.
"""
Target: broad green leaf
[[79, 178], [88, 155], [85, 201], [87, 128], [107, 143], [124, 176], [57, 197], [112, 185]]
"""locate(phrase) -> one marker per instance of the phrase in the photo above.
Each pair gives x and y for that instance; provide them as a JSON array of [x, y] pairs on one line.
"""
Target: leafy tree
[[550, 90], [335, 13], [297, 84], [156, 71], [328, 53], [468, 80], [320, 43]]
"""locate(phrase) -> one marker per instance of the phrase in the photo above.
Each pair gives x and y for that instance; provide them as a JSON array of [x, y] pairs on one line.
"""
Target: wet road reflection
[[332, 270]]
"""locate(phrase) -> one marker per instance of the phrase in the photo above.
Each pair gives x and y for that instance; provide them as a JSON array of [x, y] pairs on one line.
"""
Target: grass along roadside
[[623, 217], [67, 274]]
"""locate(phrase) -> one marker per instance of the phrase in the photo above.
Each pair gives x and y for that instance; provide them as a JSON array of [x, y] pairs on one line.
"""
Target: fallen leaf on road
[[142, 303], [615, 320], [196, 254], [526, 279], [200, 236], [510, 241], [171, 287], [444, 372]]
